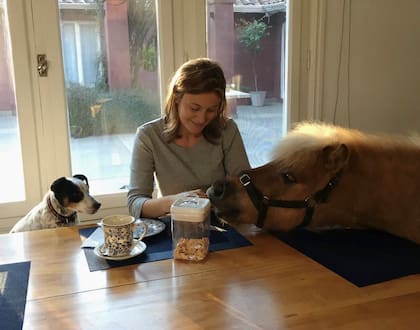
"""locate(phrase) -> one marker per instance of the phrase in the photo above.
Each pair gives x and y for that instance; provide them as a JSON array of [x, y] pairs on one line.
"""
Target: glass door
[[19, 168], [110, 58], [102, 80], [249, 41], [11, 171]]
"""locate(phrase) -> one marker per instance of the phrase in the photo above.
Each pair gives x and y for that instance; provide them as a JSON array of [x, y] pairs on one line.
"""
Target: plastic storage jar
[[190, 227]]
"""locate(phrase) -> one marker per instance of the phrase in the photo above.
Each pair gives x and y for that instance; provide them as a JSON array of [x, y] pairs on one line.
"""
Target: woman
[[190, 147]]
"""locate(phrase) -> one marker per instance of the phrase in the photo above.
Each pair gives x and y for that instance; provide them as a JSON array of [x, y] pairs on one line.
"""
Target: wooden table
[[265, 286]]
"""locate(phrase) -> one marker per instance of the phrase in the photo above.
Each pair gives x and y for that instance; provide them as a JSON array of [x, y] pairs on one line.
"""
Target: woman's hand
[[154, 208], [197, 192]]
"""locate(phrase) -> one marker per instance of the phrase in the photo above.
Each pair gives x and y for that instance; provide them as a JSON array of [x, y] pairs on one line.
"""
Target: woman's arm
[[156, 207], [235, 157], [142, 169]]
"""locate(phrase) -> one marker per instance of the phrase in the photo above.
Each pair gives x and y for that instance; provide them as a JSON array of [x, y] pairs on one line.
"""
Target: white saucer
[[137, 250], [154, 227]]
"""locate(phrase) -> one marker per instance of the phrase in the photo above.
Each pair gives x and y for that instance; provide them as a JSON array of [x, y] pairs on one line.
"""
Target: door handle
[[42, 65]]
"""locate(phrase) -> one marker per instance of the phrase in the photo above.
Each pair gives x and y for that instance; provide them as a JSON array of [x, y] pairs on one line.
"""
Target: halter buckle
[[244, 179], [310, 201]]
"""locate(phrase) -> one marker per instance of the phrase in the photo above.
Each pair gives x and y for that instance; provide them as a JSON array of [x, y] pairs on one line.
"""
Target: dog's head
[[73, 193]]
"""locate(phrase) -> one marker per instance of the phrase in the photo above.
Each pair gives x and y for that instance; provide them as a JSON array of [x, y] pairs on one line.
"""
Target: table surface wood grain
[[265, 286]]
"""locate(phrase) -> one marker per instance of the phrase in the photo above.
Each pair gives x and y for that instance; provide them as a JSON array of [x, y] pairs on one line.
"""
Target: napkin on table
[[96, 238]]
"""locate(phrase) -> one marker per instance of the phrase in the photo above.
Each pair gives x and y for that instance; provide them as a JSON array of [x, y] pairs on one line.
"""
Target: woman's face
[[196, 111]]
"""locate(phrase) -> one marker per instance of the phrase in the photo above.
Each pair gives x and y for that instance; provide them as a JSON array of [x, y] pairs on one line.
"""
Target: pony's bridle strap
[[262, 202], [62, 219]]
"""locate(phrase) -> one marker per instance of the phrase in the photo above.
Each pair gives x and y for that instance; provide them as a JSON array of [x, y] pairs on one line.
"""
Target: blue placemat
[[159, 247], [13, 289], [363, 257]]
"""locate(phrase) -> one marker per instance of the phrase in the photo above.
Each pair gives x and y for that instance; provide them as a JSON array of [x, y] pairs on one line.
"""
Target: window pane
[[89, 40], [69, 52], [247, 39], [11, 171], [116, 54]]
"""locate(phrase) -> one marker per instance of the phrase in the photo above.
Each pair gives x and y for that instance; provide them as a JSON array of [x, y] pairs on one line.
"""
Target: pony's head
[[281, 195]]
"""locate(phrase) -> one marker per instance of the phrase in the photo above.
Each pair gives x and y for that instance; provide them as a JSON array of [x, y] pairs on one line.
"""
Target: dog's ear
[[82, 178], [60, 187], [57, 184]]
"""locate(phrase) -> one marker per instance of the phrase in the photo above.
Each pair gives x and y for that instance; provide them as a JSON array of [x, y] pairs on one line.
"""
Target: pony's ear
[[335, 157]]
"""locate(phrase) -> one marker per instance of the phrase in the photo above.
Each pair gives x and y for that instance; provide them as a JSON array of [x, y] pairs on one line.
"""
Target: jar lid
[[190, 209]]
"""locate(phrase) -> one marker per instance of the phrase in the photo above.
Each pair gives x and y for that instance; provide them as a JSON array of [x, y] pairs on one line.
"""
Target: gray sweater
[[178, 169]]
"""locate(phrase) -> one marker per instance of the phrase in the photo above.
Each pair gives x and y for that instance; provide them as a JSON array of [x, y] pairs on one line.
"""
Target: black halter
[[262, 202]]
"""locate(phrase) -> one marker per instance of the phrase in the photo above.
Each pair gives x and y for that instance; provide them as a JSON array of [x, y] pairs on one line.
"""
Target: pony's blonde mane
[[298, 145]]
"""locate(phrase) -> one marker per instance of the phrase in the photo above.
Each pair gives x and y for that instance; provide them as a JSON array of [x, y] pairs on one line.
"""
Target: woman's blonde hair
[[201, 75]]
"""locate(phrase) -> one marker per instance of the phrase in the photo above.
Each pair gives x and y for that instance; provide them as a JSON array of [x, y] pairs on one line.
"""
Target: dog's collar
[[61, 219]]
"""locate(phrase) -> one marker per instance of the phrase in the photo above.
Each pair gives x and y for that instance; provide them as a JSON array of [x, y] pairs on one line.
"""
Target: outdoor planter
[[257, 98]]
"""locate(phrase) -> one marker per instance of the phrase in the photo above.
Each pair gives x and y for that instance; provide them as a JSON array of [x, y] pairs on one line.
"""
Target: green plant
[[126, 110], [250, 34], [95, 112], [79, 100], [149, 57], [142, 31]]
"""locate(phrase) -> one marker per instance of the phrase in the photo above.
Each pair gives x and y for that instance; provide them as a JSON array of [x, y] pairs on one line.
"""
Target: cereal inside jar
[[190, 228]]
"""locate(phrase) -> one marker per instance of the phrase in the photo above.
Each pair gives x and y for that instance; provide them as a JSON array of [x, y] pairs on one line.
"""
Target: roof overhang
[[77, 4], [269, 7]]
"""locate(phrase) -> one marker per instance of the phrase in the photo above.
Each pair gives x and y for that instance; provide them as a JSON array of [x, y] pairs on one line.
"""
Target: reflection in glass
[[110, 60], [247, 38], [12, 187]]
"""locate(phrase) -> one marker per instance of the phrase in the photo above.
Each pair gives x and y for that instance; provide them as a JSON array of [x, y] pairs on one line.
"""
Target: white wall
[[365, 64]]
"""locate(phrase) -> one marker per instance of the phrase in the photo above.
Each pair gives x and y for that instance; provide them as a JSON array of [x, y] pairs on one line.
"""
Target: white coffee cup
[[118, 234]]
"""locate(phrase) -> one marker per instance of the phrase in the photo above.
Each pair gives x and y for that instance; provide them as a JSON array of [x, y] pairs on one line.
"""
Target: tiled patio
[[261, 129]]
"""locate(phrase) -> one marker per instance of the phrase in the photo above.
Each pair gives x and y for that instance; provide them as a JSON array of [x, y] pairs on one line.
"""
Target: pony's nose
[[217, 190]]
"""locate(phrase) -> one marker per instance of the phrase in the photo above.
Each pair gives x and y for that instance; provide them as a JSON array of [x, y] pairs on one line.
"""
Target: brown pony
[[324, 175]]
